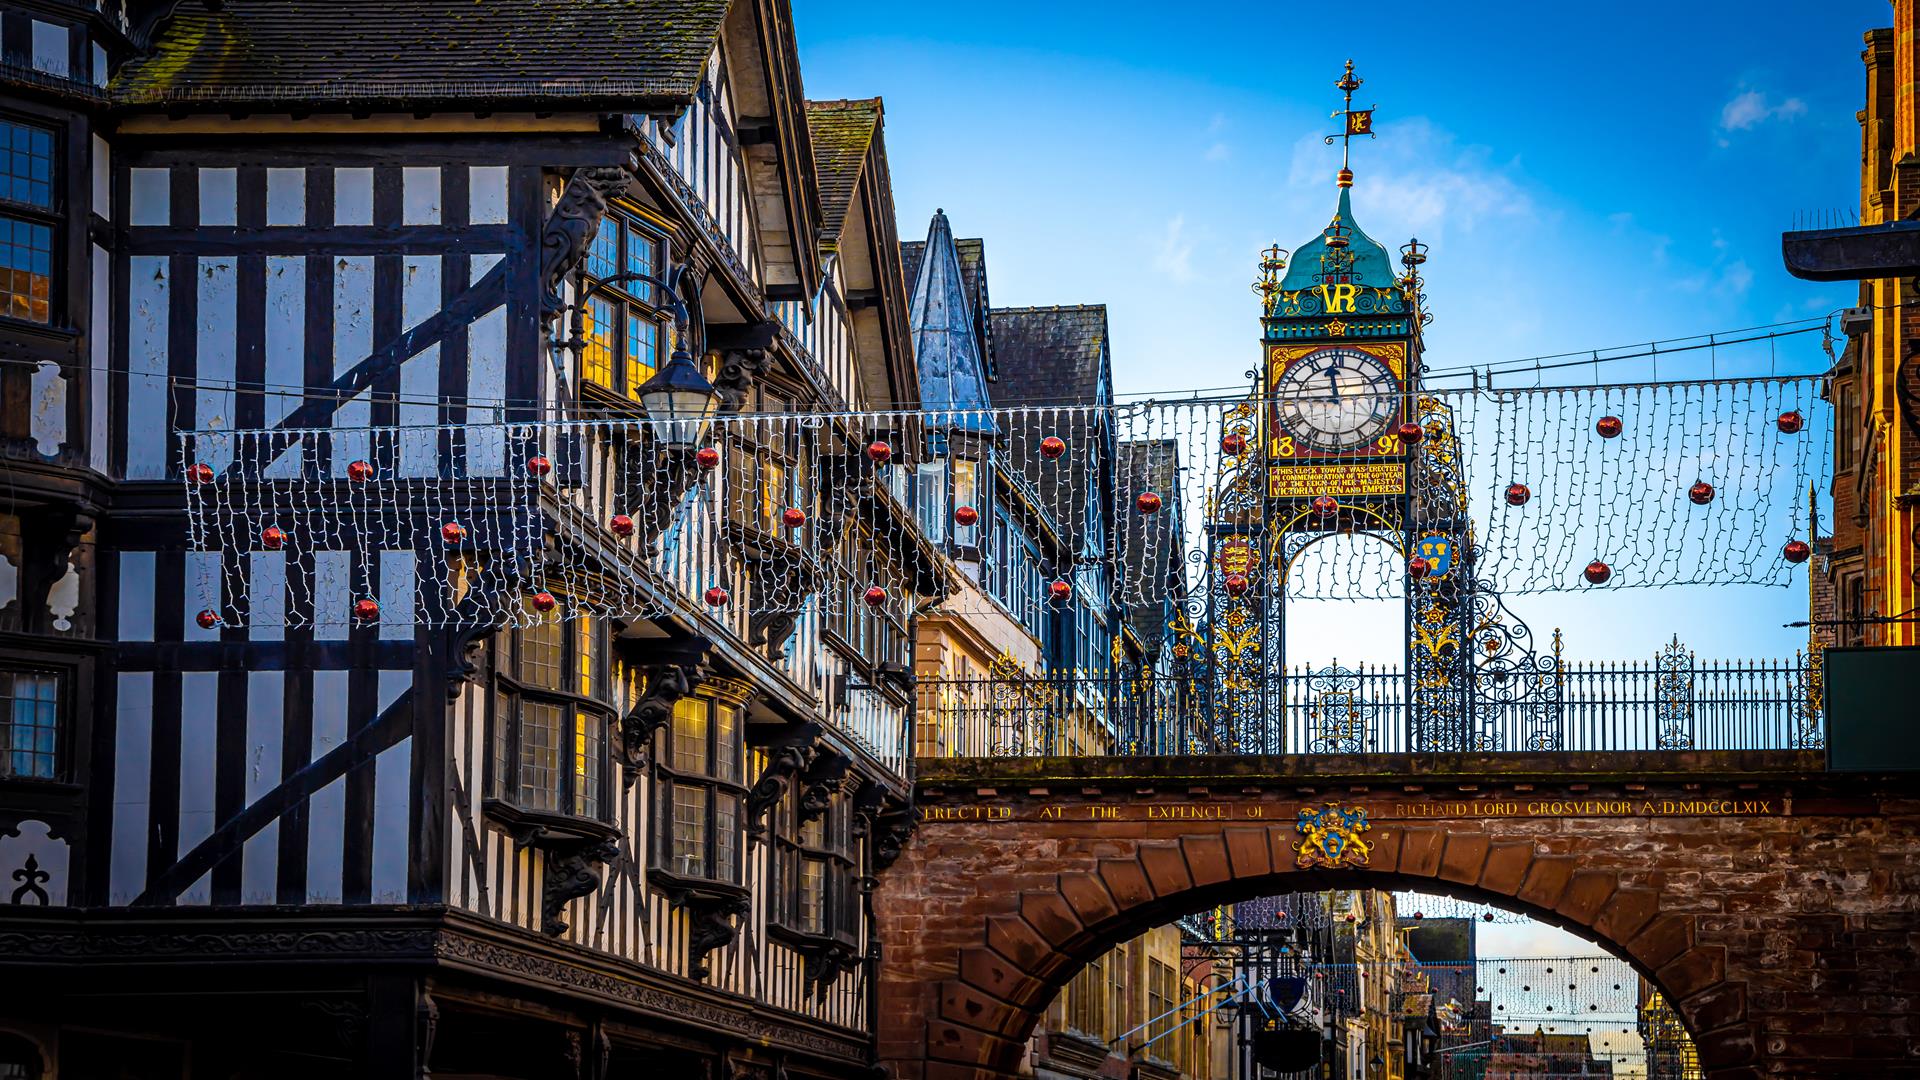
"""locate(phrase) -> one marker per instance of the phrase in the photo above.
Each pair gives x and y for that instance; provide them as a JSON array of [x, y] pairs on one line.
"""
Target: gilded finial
[[1358, 122]]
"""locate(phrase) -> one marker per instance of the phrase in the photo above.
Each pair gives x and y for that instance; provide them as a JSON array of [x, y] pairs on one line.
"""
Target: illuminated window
[[623, 327], [701, 762], [27, 224], [552, 707], [818, 895]]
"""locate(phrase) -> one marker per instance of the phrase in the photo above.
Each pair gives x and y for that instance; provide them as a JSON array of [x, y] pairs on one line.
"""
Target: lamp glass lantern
[[679, 399]]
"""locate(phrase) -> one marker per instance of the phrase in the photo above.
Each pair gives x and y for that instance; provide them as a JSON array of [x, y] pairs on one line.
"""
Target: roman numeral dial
[[1336, 399]]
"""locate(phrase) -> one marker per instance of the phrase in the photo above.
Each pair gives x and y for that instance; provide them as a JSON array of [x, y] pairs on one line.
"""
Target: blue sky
[[1583, 183]]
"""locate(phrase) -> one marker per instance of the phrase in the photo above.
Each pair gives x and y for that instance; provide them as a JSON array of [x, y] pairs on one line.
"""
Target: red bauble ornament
[[200, 472], [1325, 505], [1411, 433], [359, 470], [621, 525], [544, 601], [1419, 915], [1797, 551], [1237, 584], [707, 456], [793, 517], [1233, 444], [1147, 502], [1060, 590], [1488, 917], [453, 532], [965, 515], [1609, 427], [1052, 447], [207, 619], [1701, 493], [366, 610], [874, 596], [539, 466], [1418, 567], [1791, 422], [273, 538], [715, 597], [1598, 572], [880, 452], [1518, 494]]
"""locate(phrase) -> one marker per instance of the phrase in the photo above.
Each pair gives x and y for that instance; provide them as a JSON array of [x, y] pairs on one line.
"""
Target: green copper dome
[[1371, 265]]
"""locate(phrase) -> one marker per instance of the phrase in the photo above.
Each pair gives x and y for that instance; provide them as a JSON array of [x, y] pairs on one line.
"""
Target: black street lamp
[[679, 398]]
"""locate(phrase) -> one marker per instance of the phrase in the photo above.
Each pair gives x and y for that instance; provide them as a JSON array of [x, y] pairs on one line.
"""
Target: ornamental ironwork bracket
[[673, 670], [787, 754]]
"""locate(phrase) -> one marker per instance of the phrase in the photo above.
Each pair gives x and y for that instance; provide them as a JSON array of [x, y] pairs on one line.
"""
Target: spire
[[945, 350]]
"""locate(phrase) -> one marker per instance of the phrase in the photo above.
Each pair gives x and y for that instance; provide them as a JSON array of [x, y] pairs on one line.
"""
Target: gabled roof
[[842, 133], [1056, 356], [945, 347], [1051, 355], [375, 51], [973, 269]]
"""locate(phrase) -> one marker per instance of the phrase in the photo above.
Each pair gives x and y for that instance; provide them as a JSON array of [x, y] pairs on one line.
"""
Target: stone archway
[[1733, 907]]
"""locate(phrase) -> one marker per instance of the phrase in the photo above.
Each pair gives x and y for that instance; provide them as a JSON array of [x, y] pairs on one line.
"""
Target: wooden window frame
[[668, 778], [511, 693], [840, 909], [624, 301]]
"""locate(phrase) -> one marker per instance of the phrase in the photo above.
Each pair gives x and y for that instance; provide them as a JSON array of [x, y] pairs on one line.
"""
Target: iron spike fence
[[1673, 702]]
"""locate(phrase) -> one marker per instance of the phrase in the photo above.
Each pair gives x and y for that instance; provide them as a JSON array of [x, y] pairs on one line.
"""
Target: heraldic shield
[[1330, 837]]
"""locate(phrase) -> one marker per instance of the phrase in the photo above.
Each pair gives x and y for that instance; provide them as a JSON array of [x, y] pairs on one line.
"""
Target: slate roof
[[973, 269], [1055, 356], [1051, 355], [1149, 545], [376, 51], [945, 346], [842, 133]]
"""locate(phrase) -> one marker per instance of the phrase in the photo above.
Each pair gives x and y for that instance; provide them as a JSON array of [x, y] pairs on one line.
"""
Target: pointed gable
[[945, 347], [842, 132], [973, 269]]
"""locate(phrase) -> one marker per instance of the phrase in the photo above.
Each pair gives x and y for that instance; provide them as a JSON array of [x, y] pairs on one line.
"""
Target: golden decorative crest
[[1330, 837]]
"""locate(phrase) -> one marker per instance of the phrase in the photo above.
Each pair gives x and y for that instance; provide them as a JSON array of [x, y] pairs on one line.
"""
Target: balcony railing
[[1670, 704]]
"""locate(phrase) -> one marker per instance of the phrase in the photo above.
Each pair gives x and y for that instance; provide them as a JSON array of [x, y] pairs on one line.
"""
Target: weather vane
[[1359, 122]]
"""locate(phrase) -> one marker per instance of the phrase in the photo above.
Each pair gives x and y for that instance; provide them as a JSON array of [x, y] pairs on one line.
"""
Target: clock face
[[1336, 399]]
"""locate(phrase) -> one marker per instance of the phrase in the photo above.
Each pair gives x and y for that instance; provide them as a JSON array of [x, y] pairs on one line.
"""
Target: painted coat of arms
[[1330, 837]]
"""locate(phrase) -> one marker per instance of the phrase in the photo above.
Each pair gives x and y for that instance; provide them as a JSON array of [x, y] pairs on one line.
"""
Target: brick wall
[[1786, 938]]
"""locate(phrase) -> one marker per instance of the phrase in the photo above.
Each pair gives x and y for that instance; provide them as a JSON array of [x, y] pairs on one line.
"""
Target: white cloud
[[1421, 181], [1750, 108], [1218, 152], [1175, 257]]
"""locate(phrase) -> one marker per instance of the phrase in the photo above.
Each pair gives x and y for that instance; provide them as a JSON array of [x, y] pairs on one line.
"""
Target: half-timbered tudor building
[[255, 818]]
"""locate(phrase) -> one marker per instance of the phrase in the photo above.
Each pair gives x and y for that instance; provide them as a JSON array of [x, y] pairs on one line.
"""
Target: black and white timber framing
[[274, 849]]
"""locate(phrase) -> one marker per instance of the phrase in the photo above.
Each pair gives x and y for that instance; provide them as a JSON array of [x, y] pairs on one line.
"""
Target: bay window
[[551, 714], [816, 895], [700, 764]]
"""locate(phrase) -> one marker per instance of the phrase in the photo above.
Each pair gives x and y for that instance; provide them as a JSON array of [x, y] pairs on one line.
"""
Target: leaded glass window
[[700, 760]]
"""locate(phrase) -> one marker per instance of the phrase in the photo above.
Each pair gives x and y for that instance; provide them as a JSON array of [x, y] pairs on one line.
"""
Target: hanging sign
[[1235, 555]]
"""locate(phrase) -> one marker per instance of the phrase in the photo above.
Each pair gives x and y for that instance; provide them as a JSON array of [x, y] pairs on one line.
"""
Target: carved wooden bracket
[[52, 536], [571, 227], [672, 672], [787, 755], [575, 849], [825, 964], [774, 575], [744, 357], [886, 820], [714, 919], [823, 777]]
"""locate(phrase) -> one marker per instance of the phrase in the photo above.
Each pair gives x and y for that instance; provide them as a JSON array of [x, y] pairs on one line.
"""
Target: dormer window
[[624, 327]]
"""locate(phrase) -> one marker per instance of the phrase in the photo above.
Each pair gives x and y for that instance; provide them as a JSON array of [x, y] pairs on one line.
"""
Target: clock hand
[[1333, 378]]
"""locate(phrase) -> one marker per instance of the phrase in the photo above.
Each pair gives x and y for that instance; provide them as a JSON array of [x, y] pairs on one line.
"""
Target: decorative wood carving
[[769, 629], [886, 820], [55, 533], [714, 925], [570, 230], [825, 965], [744, 357], [426, 1024], [672, 673], [575, 849], [823, 777], [787, 755]]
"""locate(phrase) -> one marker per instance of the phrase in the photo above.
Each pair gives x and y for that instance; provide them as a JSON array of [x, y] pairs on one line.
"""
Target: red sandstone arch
[[1032, 926]]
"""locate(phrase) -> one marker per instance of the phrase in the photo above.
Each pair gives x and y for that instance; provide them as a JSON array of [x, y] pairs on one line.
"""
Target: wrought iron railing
[[1673, 703]]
